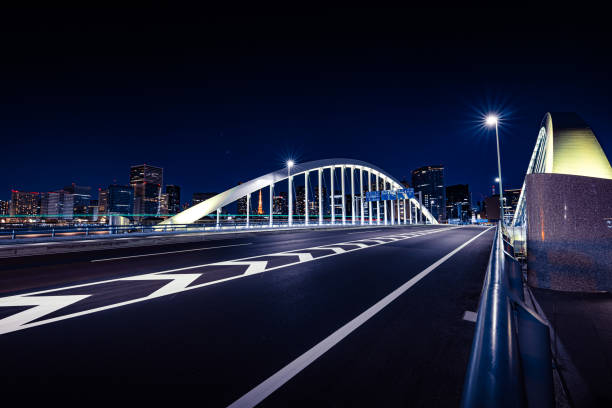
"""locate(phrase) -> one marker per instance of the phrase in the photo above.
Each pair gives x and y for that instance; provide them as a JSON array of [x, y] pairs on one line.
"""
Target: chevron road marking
[[178, 282]]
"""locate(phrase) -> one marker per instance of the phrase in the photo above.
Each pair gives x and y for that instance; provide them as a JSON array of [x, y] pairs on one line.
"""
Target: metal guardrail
[[103, 230], [510, 363]]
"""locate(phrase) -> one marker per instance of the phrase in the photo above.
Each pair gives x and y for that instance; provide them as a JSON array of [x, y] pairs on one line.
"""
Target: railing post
[[377, 202], [13, 235], [320, 197], [271, 221], [370, 190], [305, 198], [290, 201], [333, 196], [52, 232], [420, 207], [361, 195], [343, 192], [248, 210], [353, 215], [385, 202]]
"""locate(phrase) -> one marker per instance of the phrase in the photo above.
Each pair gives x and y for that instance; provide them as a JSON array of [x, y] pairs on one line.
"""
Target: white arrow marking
[[337, 250], [303, 256], [177, 284], [254, 266], [42, 305]]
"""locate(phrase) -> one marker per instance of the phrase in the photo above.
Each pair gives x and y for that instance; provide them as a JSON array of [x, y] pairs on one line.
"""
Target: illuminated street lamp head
[[290, 163], [491, 120], [497, 179]]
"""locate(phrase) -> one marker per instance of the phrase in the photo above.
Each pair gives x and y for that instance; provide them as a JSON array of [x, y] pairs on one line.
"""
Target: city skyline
[[194, 107]]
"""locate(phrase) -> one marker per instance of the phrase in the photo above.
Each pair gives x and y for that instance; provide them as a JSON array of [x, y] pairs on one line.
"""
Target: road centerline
[[168, 252]]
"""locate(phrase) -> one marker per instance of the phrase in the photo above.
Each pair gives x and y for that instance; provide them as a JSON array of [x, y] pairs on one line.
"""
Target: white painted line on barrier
[[277, 380], [166, 253], [470, 316]]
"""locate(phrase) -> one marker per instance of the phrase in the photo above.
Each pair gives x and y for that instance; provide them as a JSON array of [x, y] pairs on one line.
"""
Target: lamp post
[[492, 120], [290, 164]]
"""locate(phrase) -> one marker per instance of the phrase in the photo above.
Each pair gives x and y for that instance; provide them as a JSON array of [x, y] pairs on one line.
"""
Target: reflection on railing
[[91, 231], [510, 363]]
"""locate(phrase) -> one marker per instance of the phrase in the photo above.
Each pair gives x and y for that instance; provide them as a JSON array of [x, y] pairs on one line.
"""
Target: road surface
[[352, 317]]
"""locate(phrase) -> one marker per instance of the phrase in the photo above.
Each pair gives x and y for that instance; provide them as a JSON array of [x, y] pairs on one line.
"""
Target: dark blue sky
[[215, 98]]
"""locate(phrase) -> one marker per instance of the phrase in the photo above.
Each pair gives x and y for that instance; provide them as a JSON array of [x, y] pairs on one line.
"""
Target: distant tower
[[260, 205]]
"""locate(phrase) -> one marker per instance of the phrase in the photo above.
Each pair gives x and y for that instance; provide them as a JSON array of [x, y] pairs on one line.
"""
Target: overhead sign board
[[372, 195], [386, 195], [405, 193], [390, 195]]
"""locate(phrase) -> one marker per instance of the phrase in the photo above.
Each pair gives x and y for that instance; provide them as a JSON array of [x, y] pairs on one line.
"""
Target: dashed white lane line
[[277, 380], [168, 252], [470, 316]]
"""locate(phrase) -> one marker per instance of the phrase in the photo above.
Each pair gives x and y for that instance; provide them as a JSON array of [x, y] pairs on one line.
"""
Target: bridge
[[378, 305], [347, 170]]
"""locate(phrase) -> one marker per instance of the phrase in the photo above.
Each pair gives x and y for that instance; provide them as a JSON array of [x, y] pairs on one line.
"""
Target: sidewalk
[[581, 343]]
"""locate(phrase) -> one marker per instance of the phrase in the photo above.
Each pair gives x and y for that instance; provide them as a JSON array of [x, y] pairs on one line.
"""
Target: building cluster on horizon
[[145, 197], [140, 199]]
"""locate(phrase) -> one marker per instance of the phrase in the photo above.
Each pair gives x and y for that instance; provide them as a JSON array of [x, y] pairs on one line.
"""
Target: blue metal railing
[[106, 230], [510, 363]]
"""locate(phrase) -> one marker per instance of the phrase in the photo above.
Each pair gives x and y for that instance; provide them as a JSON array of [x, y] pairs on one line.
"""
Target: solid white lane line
[[277, 380], [169, 252]]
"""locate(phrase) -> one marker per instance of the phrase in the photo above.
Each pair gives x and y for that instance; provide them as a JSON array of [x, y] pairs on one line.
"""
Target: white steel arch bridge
[[365, 176]]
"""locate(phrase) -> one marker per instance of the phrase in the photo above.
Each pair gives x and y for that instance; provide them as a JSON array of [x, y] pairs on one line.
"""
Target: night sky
[[215, 97]]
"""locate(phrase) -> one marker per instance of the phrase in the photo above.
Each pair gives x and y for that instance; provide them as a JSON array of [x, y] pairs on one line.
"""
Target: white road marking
[[169, 252], [470, 316], [178, 282], [277, 380], [14, 323]]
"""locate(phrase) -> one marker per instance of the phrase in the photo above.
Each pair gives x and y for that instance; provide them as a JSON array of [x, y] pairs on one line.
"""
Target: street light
[[290, 164], [490, 121]]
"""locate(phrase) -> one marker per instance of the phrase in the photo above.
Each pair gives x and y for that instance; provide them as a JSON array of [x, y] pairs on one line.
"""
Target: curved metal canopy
[[565, 145], [209, 206]]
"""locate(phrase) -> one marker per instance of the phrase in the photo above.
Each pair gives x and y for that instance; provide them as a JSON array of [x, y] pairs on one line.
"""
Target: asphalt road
[[370, 317]]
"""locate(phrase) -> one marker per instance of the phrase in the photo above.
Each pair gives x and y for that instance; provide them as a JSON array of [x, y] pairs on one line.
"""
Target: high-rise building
[[146, 181], [174, 199], [197, 198], [429, 180], [313, 206], [57, 205], [163, 204], [120, 199], [102, 202], [458, 205], [93, 209], [511, 198], [4, 207], [81, 197], [24, 203], [300, 196], [279, 204], [242, 206]]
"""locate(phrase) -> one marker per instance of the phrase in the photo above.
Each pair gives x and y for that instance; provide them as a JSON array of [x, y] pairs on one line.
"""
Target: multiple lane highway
[[347, 317]]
